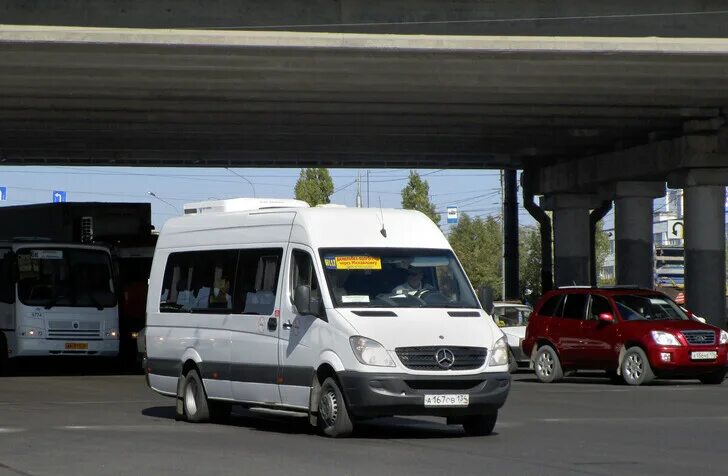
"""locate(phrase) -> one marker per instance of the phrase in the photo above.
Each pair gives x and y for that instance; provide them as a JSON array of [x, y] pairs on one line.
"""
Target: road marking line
[[10, 430]]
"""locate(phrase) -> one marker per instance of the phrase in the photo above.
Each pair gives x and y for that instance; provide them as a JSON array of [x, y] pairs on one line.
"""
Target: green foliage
[[314, 186], [478, 243], [529, 255], [416, 196], [602, 251]]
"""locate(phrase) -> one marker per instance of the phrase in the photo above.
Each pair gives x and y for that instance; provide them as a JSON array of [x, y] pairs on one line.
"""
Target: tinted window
[[257, 281], [549, 309], [574, 306], [221, 281], [304, 274], [649, 307], [7, 288], [599, 305]]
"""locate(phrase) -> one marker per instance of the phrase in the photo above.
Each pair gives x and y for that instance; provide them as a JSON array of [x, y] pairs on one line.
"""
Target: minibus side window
[[7, 286], [199, 281], [303, 273], [257, 281]]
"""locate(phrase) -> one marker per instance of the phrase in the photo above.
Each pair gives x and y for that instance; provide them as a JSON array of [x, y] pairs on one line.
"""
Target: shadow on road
[[70, 366], [381, 428], [598, 378]]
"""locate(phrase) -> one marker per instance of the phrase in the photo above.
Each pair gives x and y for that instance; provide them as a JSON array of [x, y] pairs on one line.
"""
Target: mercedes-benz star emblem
[[444, 358]]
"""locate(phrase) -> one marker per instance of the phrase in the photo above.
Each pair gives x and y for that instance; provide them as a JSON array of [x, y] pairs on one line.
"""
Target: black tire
[[512, 363], [547, 365], [635, 368], [4, 359], [333, 414], [194, 399], [715, 378], [480, 425]]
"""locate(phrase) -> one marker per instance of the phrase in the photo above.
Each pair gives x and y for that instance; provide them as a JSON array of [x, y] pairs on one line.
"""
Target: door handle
[[272, 324], [287, 325]]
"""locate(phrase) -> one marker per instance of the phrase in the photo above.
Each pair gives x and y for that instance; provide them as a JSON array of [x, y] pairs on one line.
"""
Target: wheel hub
[[545, 364], [190, 401], [328, 407]]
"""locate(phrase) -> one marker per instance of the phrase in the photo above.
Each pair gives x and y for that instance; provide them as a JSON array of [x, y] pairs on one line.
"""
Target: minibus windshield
[[72, 277], [396, 277]]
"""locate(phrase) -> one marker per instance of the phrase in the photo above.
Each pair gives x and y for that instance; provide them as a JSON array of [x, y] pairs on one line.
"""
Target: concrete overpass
[[590, 119]]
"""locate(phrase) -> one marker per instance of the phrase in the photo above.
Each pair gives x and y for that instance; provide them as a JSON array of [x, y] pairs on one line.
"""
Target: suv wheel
[[636, 368], [547, 365]]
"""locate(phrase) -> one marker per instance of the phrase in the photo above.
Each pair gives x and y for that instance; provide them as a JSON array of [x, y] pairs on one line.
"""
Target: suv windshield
[[649, 307], [396, 277], [65, 277]]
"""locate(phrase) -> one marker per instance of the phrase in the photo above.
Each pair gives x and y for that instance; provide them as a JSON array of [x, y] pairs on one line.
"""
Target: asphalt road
[[113, 425]]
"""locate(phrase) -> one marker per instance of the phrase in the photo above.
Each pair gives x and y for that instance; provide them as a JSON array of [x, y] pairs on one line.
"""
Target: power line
[[463, 22]]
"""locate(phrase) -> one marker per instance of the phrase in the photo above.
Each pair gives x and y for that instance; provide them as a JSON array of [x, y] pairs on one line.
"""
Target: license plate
[[461, 400], [704, 355], [76, 346]]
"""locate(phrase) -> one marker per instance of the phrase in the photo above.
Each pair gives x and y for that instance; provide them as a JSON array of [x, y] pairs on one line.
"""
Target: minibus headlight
[[370, 352], [499, 355]]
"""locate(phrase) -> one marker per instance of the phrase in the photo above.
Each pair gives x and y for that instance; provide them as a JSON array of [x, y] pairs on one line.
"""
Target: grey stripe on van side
[[248, 373]]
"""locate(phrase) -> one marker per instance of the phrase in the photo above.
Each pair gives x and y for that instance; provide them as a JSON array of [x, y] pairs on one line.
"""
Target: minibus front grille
[[438, 358], [449, 384]]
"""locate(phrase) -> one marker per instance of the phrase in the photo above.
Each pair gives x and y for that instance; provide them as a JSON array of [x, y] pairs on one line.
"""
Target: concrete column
[[634, 238], [510, 235], [704, 198], [571, 238]]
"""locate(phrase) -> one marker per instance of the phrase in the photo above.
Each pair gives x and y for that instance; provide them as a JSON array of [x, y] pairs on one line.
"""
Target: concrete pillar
[[510, 235], [571, 238], [704, 197], [634, 238]]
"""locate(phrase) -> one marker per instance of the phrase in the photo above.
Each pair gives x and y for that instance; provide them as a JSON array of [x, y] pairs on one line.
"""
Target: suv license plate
[[460, 400], [76, 346], [704, 355]]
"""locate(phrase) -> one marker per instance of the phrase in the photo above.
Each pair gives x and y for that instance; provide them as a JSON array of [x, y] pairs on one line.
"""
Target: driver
[[414, 284]]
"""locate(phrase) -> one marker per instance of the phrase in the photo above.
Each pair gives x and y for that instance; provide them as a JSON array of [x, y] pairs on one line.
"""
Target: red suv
[[636, 333]]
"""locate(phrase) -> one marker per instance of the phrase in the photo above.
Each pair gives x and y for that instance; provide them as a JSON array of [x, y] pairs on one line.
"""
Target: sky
[[476, 192]]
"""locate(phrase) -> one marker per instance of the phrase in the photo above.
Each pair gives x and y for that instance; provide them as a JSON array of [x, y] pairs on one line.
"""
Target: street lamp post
[[152, 194]]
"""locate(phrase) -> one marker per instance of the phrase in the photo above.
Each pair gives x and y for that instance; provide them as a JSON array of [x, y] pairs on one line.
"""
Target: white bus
[[331, 312], [56, 299]]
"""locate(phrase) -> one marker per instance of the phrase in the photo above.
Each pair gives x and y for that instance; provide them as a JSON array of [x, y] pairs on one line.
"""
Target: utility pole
[[367, 188], [358, 189]]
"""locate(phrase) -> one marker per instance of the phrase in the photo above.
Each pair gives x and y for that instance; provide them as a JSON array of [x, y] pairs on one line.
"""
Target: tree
[[478, 243], [314, 186], [416, 196], [530, 261], [601, 240]]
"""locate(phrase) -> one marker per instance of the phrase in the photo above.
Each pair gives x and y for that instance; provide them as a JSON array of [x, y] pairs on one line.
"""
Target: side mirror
[[302, 299], [606, 317]]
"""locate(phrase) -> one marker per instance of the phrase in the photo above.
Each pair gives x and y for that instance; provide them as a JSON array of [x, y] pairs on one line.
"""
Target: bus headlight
[[112, 334], [32, 332]]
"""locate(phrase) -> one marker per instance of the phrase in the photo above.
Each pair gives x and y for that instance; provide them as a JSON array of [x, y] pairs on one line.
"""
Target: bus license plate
[[460, 400], [704, 355], [76, 346]]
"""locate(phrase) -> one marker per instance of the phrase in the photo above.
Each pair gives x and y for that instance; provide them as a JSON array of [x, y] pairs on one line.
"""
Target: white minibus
[[56, 299], [337, 313]]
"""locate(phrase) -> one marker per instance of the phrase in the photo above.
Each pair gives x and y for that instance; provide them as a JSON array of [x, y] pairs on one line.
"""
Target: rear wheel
[[715, 378], [480, 425], [194, 399], [333, 416], [547, 365], [636, 368]]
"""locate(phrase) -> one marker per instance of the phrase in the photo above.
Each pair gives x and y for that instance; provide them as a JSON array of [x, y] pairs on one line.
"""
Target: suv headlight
[[499, 355], [370, 352], [723, 337], [665, 338]]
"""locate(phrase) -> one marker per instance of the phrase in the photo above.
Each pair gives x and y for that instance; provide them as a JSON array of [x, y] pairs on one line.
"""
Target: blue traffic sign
[[59, 196], [3, 193], [452, 214]]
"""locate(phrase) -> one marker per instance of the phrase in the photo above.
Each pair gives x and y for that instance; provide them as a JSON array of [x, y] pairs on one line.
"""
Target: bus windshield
[[74, 277], [396, 277]]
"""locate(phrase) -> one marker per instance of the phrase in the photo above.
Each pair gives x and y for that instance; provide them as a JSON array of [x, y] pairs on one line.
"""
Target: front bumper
[[680, 363], [38, 347], [382, 394]]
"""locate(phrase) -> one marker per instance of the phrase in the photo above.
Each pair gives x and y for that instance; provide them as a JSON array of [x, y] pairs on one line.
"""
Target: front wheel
[[512, 362], [636, 369], [480, 425], [547, 365], [333, 416], [715, 378]]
